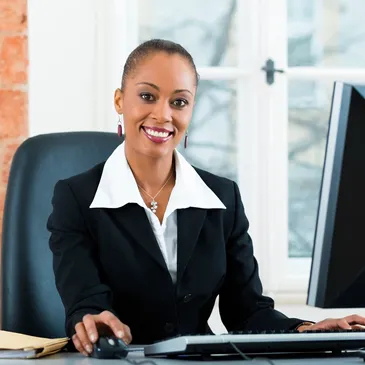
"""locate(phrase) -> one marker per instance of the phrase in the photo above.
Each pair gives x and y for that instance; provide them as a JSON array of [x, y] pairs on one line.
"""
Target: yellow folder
[[17, 345]]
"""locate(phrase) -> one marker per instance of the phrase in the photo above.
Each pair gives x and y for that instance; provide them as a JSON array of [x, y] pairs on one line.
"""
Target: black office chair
[[30, 301]]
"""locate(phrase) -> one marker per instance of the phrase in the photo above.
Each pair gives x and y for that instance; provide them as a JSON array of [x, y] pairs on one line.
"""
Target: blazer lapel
[[189, 224], [135, 223]]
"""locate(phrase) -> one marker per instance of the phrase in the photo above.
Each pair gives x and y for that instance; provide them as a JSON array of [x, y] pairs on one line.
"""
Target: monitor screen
[[337, 277]]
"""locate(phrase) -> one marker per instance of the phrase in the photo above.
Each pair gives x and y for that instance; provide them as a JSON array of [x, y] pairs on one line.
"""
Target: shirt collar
[[118, 187]]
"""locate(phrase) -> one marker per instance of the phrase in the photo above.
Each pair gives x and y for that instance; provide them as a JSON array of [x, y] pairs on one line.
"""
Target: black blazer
[[109, 259]]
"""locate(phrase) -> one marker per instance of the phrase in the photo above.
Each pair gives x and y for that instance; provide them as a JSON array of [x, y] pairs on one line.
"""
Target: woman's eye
[[180, 103], [147, 96]]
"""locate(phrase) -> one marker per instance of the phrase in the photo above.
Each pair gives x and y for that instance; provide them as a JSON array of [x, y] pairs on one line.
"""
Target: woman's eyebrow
[[158, 89]]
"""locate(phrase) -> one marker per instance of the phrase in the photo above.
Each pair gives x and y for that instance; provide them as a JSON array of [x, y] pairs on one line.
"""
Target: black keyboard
[[259, 342]]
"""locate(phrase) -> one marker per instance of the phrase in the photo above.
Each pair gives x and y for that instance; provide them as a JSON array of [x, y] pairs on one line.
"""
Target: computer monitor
[[337, 277]]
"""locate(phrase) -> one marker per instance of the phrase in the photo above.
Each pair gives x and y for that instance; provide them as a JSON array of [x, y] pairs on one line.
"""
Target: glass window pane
[[208, 36], [212, 141], [326, 33], [309, 108]]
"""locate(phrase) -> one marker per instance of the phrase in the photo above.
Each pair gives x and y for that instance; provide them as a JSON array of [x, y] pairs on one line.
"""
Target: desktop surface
[[78, 359]]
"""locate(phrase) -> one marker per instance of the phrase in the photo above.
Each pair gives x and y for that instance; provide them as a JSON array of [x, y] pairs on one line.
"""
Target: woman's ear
[[118, 101]]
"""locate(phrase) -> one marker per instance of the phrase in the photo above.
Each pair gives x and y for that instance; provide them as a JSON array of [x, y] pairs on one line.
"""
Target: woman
[[144, 242]]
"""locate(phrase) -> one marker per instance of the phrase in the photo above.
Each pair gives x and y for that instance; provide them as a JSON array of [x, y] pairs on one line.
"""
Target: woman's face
[[157, 104]]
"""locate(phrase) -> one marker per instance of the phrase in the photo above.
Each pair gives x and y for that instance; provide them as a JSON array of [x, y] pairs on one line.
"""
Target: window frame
[[262, 136], [291, 274], [252, 135]]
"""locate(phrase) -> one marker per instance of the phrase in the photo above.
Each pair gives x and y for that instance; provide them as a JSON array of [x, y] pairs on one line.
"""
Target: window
[[269, 138], [321, 47], [211, 41], [219, 44], [319, 34]]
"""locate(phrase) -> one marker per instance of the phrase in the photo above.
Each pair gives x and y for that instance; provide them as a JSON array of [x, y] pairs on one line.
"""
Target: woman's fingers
[[128, 335], [83, 337], [119, 329], [357, 327], [87, 331], [113, 323], [90, 327], [343, 324], [355, 319], [78, 346], [347, 323]]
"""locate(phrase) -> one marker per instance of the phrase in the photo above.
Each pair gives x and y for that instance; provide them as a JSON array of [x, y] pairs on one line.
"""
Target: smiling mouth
[[157, 135]]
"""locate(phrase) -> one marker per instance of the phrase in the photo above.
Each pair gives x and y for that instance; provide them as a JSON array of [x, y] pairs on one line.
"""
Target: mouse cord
[[245, 357]]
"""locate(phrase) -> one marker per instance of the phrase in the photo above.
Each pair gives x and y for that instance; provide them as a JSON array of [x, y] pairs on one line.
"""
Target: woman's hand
[[105, 323], [347, 323]]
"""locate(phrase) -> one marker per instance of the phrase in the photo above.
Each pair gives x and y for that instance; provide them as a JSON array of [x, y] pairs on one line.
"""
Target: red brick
[[13, 15], [6, 161], [14, 60], [13, 114]]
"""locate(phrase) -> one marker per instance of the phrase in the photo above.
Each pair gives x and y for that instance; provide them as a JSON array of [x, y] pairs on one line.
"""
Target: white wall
[[71, 83]]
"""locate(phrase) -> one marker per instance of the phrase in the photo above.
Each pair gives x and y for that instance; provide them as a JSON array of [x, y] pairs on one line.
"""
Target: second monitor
[[338, 264]]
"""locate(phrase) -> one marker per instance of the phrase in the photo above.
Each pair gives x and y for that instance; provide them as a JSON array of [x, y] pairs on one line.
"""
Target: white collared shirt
[[118, 187]]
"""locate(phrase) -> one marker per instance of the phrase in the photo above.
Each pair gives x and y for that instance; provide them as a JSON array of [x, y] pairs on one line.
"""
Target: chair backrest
[[30, 301]]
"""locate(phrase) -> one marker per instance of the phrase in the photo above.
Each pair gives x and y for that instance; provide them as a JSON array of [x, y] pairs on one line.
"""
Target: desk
[[78, 359]]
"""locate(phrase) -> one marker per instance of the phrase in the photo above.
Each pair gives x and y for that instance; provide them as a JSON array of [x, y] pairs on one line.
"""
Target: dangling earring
[[120, 126], [186, 139]]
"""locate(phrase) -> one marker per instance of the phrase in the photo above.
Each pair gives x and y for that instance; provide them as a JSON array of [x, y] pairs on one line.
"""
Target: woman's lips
[[157, 135]]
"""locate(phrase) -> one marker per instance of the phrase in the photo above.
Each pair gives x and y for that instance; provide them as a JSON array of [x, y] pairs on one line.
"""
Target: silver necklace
[[154, 204]]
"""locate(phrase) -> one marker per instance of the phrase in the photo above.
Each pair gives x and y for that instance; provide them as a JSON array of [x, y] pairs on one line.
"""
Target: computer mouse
[[109, 347]]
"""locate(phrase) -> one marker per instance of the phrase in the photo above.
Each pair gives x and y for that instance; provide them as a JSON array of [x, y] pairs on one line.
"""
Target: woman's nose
[[162, 112]]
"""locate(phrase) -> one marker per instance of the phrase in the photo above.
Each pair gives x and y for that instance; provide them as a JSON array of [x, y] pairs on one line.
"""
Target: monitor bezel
[[326, 213]]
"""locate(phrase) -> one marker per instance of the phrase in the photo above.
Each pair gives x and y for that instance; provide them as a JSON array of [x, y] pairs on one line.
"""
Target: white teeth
[[156, 134]]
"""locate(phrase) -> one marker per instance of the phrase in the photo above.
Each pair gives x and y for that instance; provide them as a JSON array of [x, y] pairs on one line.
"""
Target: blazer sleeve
[[75, 261], [241, 302]]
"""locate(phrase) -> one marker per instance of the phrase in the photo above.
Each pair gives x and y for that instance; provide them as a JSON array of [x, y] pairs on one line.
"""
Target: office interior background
[[60, 62]]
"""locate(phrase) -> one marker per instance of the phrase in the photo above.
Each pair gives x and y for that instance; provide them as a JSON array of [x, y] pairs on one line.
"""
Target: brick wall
[[13, 85]]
